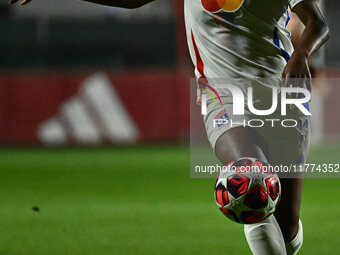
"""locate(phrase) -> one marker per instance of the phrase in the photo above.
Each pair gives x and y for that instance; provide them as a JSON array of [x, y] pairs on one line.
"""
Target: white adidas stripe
[[52, 132], [117, 124], [82, 128]]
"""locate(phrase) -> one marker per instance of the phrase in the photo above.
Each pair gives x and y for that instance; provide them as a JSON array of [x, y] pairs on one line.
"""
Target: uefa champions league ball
[[247, 192]]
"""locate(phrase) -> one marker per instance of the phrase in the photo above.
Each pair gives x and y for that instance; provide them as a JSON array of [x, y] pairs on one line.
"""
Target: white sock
[[265, 238], [294, 246]]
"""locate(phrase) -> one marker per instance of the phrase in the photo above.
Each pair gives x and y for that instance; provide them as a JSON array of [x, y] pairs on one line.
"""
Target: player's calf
[[288, 214]]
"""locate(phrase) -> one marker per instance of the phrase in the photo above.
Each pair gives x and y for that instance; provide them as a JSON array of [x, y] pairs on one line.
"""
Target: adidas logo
[[95, 115]]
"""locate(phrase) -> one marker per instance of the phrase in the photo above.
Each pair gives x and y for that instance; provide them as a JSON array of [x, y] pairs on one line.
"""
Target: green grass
[[134, 201]]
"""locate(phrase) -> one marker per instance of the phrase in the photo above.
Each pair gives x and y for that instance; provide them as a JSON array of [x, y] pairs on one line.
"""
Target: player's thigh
[[288, 211], [230, 139], [240, 142]]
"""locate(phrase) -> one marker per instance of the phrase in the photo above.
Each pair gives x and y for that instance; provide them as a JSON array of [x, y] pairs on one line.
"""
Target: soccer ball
[[247, 192]]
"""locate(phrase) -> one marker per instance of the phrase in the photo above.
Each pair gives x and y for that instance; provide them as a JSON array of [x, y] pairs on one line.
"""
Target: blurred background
[[68, 54], [94, 131]]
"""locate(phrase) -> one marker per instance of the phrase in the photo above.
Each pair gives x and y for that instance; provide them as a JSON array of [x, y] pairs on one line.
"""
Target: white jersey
[[238, 38]]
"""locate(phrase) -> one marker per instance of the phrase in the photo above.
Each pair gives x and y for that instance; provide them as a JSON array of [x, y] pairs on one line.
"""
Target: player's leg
[[288, 213], [264, 238], [240, 142]]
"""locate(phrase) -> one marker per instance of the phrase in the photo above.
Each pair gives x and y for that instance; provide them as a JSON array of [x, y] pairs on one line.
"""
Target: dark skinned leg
[[288, 212], [245, 142], [240, 142]]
